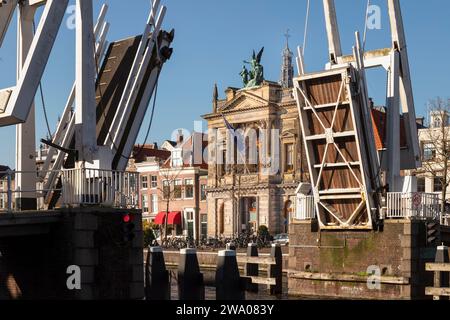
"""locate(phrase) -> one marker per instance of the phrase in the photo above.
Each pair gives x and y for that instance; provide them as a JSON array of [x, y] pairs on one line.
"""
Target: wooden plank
[[256, 260], [437, 292], [337, 165], [340, 191], [340, 197], [327, 105], [443, 267], [346, 277], [335, 135], [262, 280]]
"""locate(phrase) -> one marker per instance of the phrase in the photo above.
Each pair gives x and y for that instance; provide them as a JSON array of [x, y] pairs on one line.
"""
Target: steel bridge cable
[[305, 35], [41, 91]]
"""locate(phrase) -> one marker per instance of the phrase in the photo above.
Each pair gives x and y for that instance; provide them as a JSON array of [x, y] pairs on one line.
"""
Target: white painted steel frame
[[409, 157], [6, 13], [85, 110], [65, 130], [22, 97], [25, 132], [138, 70], [331, 23], [365, 192], [406, 91]]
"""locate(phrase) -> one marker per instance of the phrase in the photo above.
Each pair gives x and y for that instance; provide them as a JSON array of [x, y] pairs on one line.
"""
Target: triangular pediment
[[243, 101], [288, 134]]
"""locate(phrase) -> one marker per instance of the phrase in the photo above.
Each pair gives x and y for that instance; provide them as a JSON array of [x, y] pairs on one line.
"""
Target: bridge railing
[[412, 206], [398, 206], [10, 190], [79, 187], [100, 187], [305, 209]]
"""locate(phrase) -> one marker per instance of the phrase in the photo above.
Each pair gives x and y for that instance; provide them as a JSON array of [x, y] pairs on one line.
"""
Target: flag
[[238, 138], [228, 125]]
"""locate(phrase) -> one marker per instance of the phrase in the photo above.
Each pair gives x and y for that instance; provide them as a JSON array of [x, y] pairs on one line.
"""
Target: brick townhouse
[[174, 176]]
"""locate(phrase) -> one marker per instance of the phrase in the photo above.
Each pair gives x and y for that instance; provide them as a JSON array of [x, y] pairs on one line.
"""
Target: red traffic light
[[126, 218]]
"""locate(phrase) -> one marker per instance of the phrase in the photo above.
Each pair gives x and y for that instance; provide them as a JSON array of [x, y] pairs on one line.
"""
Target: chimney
[[180, 137], [231, 93], [421, 121]]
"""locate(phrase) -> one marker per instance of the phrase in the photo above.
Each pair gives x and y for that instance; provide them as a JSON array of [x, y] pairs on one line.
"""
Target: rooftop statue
[[255, 76]]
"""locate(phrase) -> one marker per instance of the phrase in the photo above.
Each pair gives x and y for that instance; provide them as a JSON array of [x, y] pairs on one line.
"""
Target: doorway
[[189, 218], [249, 215]]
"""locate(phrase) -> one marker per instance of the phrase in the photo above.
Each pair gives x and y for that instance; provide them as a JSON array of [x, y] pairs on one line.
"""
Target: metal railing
[[100, 187], [9, 190], [399, 206], [80, 187], [445, 220], [412, 206], [305, 209]]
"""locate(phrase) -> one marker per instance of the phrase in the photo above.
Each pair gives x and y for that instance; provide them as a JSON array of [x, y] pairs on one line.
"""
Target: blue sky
[[214, 37]]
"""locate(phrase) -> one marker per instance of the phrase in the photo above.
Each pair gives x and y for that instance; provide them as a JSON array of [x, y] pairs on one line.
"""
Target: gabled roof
[[141, 153], [243, 96], [187, 146], [379, 122]]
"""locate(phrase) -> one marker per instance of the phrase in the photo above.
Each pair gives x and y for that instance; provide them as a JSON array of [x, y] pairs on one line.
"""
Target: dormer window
[[437, 123], [177, 158]]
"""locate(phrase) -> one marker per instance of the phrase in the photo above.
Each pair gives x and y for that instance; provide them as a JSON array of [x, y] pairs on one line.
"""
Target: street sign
[[417, 200]]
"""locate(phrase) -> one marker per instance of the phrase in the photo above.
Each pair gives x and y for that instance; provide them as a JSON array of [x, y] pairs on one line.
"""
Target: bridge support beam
[[25, 132]]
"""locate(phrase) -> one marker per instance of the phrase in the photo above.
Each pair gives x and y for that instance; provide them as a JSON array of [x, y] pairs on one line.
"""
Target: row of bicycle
[[240, 242]]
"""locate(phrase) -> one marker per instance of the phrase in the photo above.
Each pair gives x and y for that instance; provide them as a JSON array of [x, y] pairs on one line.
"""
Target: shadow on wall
[[26, 267]]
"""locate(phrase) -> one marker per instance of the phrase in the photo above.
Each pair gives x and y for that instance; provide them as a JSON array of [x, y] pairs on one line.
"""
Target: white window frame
[[155, 185], [145, 203], [192, 184], [142, 182], [203, 186], [178, 183], [177, 158], [155, 203]]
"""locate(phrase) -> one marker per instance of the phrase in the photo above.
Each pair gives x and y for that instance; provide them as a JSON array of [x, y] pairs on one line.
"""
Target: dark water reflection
[[210, 291]]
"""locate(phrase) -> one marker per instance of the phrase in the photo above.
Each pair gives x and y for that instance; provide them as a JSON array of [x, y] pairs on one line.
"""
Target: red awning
[[174, 218], [160, 218]]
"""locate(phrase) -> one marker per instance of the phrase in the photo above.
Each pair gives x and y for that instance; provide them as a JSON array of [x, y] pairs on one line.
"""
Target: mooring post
[[276, 270], [442, 279], [190, 280], [229, 285], [157, 284], [251, 269]]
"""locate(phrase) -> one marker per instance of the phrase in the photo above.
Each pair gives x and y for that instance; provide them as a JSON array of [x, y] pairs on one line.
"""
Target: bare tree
[[169, 191], [436, 146]]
